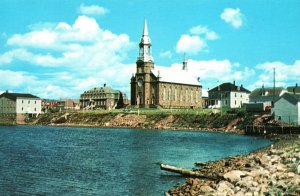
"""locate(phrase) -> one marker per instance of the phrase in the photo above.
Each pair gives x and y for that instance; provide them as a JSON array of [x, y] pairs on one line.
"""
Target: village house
[[228, 95], [294, 89], [266, 94], [65, 104], [287, 109], [261, 99], [161, 87], [102, 98], [19, 105]]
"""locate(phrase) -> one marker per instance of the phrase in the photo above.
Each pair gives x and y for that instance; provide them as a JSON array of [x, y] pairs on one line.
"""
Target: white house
[[18, 103], [287, 108], [228, 95]]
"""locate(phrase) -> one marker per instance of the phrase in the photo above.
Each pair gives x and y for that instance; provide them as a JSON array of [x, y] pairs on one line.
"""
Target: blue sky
[[58, 49]]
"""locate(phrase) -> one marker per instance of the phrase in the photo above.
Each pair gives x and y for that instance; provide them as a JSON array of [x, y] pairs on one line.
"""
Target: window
[[234, 94], [191, 96], [35, 109], [28, 101], [181, 95], [235, 102], [22, 108], [169, 93], [175, 94], [164, 93], [22, 101], [34, 102]]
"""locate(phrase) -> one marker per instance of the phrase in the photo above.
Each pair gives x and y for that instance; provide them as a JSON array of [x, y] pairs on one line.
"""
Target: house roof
[[229, 87], [292, 98], [102, 90], [14, 96], [267, 91], [293, 89], [179, 76]]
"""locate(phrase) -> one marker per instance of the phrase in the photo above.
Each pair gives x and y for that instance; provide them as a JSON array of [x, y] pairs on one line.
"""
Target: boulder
[[225, 187], [206, 189], [234, 175], [298, 169]]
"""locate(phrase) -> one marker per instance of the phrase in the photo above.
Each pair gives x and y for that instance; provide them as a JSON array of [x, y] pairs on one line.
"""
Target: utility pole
[[273, 86]]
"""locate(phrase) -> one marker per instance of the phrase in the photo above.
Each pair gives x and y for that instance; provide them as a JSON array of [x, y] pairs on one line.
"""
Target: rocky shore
[[270, 171]]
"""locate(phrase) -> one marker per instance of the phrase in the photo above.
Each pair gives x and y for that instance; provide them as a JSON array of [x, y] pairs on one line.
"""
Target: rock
[[206, 189], [234, 175], [280, 167], [225, 187], [276, 152], [298, 169]]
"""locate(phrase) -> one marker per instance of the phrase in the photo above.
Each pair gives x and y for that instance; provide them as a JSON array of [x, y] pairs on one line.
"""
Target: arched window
[[175, 94], [169, 93]]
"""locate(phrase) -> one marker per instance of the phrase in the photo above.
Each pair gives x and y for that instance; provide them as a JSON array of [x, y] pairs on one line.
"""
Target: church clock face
[[140, 82]]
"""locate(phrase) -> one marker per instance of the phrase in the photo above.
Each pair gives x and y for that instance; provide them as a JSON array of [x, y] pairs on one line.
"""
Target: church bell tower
[[141, 83]]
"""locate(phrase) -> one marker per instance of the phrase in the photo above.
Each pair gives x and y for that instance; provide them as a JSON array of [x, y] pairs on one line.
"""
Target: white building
[[228, 95], [17, 103], [287, 109]]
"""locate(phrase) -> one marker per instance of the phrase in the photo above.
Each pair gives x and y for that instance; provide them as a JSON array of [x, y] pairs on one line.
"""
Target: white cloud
[[92, 10], [199, 30], [83, 55], [12, 79], [190, 44], [233, 17], [285, 74], [196, 41], [214, 72], [166, 54]]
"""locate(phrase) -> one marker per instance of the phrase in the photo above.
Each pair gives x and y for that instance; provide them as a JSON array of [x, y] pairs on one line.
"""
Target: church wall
[[173, 95]]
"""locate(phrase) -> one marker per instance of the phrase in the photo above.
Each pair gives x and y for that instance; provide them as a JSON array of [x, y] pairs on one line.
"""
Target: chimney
[[234, 82], [296, 85], [6, 91], [104, 85]]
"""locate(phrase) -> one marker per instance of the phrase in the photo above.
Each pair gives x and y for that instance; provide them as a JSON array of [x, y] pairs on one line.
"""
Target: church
[[162, 87]]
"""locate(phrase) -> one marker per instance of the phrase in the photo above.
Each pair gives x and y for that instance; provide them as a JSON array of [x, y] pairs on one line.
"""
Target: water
[[99, 161]]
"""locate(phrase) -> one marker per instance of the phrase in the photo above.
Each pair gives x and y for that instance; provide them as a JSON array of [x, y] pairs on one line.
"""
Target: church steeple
[[184, 63], [145, 46]]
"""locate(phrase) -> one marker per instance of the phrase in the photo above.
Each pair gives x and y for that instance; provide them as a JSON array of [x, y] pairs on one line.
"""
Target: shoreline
[[274, 169]]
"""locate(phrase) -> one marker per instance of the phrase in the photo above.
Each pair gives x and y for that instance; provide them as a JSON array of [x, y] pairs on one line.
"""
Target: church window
[[181, 95], [186, 96], [164, 94], [192, 94], [175, 94], [169, 93]]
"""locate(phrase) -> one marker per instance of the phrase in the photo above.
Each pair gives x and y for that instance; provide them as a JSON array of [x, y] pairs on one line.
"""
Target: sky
[[59, 48]]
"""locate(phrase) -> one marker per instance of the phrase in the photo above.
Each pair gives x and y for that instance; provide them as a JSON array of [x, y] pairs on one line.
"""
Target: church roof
[[172, 75]]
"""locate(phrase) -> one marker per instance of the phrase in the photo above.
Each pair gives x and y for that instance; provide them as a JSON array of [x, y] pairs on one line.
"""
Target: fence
[[267, 130]]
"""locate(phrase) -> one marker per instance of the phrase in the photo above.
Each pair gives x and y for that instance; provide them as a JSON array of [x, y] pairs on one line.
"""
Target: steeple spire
[[184, 66], [145, 46], [145, 32]]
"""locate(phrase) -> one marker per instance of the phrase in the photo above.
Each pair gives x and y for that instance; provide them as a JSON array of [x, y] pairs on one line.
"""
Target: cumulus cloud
[[233, 17], [73, 57], [214, 72], [285, 74], [196, 40], [199, 30], [92, 10], [190, 44]]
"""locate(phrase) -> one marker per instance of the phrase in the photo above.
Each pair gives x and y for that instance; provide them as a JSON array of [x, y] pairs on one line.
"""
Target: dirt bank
[[215, 122]]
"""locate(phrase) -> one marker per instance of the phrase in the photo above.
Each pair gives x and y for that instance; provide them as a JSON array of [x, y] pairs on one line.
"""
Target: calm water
[[98, 161]]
